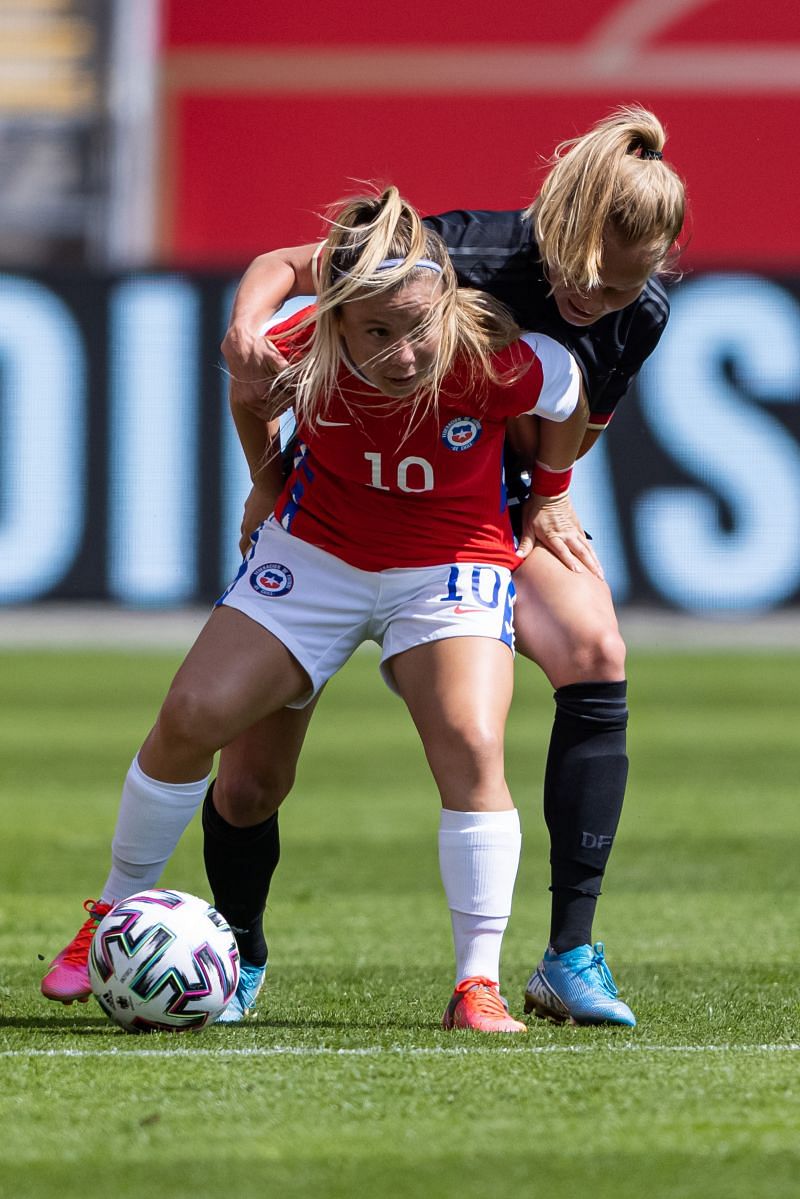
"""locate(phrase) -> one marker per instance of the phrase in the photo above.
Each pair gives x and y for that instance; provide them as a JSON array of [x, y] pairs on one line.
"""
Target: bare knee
[[467, 762], [245, 797], [189, 720], [566, 623], [586, 653], [596, 655]]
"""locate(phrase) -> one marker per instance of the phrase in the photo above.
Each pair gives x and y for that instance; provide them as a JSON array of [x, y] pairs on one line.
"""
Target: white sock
[[152, 817], [478, 860]]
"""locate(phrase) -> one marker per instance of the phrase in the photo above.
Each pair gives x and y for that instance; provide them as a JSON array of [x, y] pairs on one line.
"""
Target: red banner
[[270, 114]]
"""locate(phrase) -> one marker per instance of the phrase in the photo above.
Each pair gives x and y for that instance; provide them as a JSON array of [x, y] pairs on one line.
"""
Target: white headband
[[388, 263]]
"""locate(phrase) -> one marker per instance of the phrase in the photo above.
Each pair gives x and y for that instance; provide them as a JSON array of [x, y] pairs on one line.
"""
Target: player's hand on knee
[[554, 524]]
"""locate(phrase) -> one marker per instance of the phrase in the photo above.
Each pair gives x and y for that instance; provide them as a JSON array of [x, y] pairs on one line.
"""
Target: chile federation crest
[[273, 579], [461, 433]]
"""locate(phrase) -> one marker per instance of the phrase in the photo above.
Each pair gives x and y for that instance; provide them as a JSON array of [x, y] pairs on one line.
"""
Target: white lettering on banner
[[721, 537], [593, 499], [153, 475], [42, 442], [731, 340]]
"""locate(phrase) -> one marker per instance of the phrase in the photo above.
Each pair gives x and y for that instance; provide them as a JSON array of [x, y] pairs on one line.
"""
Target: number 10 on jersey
[[409, 478]]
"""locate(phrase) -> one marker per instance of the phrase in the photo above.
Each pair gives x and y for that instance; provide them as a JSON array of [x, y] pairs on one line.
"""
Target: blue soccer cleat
[[251, 980], [576, 986]]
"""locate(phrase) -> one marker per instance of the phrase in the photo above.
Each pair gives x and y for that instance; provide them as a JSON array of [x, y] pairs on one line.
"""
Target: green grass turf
[[344, 1085]]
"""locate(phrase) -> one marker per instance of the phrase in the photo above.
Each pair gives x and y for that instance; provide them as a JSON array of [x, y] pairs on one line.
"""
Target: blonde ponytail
[[613, 177]]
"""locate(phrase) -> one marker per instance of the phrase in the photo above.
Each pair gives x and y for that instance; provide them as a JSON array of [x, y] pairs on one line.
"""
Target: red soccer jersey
[[379, 495]]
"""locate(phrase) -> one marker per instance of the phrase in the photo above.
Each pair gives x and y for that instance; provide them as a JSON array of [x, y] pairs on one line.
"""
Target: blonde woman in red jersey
[[391, 527]]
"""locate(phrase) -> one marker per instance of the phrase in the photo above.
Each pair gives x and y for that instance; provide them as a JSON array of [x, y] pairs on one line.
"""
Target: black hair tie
[[651, 154]]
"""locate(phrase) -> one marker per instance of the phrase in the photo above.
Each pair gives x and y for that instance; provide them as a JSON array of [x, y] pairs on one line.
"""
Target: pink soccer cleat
[[67, 977], [477, 1003]]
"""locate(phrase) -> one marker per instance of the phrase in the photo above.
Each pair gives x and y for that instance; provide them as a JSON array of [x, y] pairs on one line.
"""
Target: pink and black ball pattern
[[163, 961]]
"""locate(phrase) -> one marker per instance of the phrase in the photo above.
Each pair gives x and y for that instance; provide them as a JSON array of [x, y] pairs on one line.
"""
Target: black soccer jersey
[[497, 252]]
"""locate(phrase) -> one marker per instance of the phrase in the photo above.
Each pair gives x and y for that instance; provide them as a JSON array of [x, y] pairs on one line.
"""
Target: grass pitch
[[344, 1085]]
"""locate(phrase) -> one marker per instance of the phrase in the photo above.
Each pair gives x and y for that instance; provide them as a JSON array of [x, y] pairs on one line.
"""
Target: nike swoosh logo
[[333, 424], [460, 611]]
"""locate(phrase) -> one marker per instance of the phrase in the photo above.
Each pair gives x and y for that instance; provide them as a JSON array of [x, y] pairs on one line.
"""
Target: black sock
[[240, 863], [587, 769]]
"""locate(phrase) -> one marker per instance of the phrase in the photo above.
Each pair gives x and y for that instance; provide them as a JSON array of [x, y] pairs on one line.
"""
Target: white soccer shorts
[[322, 608]]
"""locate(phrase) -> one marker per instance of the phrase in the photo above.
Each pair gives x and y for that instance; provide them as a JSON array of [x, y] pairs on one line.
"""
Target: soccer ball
[[163, 961]]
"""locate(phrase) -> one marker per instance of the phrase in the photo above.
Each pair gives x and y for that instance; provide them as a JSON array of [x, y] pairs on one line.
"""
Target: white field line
[[393, 1051]]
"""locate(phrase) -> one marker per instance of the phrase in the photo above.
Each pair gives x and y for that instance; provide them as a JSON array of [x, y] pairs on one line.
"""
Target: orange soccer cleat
[[477, 1003]]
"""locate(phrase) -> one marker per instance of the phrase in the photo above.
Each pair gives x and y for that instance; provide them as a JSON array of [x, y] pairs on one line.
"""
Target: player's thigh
[[236, 672], [257, 770], [458, 692], [316, 604], [566, 623]]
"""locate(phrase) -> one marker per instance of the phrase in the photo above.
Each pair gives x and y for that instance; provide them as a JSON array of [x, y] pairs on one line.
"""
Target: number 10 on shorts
[[482, 583]]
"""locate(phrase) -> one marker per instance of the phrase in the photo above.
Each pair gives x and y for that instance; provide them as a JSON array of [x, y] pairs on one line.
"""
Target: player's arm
[[522, 435], [261, 445], [270, 279], [589, 438], [548, 518], [549, 453]]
